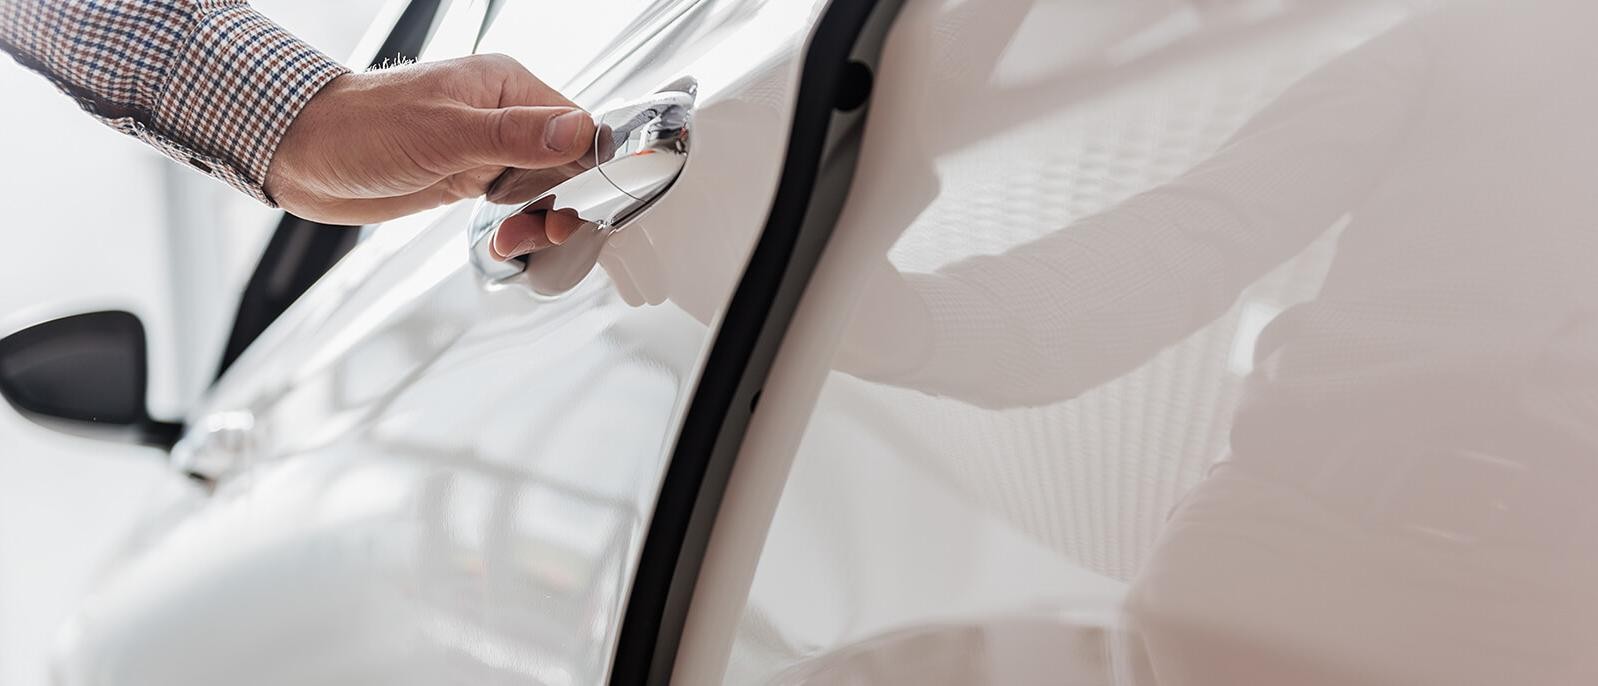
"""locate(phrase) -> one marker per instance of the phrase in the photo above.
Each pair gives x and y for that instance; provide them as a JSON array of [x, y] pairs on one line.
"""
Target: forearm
[[210, 83]]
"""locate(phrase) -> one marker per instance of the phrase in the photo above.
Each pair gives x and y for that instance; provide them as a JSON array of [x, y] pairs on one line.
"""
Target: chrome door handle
[[639, 150]]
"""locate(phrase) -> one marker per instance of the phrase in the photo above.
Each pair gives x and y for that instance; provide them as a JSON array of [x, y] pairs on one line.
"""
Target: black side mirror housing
[[89, 371]]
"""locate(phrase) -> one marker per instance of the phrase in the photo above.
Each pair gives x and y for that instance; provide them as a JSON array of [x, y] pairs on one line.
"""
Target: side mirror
[[84, 374]]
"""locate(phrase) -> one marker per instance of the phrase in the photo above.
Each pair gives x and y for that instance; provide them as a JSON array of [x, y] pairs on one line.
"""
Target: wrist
[[302, 136]]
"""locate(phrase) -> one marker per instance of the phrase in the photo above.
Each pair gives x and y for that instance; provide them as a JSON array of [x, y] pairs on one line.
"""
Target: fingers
[[561, 225], [526, 137], [522, 185], [524, 114], [360, 211], [531, 232], [363, 211]]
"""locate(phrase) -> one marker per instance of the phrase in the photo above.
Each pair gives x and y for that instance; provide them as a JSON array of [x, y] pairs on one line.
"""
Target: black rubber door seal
[[823, 145]]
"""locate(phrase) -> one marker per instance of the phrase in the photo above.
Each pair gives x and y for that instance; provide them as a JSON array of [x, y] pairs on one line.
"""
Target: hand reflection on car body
[[1405, 500]]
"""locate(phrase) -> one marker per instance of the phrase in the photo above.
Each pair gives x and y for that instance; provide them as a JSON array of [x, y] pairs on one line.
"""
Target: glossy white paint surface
[[984, 455], [1080, 233], [430, 480], [176, 249]]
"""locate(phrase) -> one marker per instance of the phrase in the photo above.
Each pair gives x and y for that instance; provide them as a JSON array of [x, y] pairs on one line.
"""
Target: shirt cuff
[[234, 89]]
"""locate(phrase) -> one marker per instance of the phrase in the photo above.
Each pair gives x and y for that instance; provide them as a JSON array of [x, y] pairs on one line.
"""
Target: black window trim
[[823, 147]]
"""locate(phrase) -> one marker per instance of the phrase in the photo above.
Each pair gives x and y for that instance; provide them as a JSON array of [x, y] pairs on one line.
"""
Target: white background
[[90, 220]]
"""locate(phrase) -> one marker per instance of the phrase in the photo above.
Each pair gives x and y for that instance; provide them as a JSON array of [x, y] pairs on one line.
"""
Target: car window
[[1186, 343]]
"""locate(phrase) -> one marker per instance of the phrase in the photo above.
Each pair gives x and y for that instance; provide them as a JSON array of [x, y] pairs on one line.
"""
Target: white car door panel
[[424, 477], [1084, 463]]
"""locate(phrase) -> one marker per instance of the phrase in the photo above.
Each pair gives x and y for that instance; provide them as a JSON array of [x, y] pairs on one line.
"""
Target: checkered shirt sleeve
[[210, 83]]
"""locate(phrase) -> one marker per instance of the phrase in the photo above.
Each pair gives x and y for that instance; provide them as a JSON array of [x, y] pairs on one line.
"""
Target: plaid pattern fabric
[[210, 83]]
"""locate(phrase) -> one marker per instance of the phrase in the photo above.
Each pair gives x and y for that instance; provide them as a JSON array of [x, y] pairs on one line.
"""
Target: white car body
[[423, 478]]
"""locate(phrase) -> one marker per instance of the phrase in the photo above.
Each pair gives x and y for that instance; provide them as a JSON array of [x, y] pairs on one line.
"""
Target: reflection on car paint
[[1050, 278]]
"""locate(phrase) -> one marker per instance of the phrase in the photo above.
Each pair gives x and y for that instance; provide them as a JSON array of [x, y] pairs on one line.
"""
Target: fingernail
[[561, 132]]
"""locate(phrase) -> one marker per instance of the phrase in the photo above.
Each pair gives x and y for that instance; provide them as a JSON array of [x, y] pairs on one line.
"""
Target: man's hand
[[383, 144]]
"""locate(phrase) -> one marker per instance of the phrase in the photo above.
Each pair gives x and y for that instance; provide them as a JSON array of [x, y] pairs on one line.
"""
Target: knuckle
[[501, 61]]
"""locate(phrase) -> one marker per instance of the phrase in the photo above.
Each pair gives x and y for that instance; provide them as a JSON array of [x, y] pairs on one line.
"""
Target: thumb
[[529, 137]]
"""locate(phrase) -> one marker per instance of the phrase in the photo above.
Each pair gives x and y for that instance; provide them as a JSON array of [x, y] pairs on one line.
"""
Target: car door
[[1186, 343], [431, 471]]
